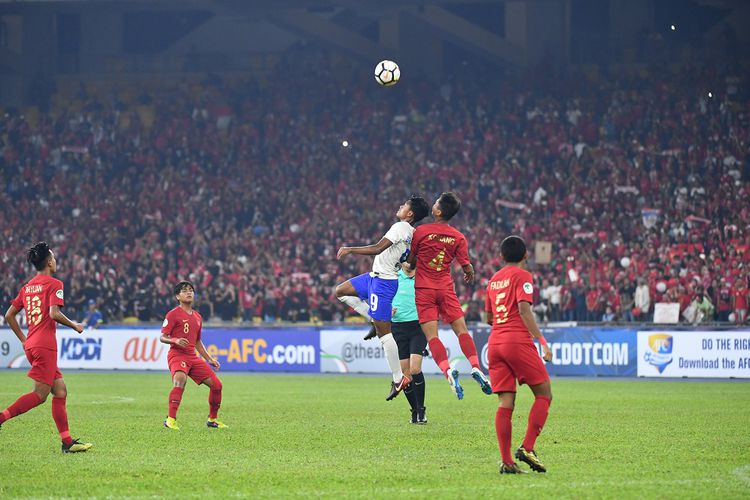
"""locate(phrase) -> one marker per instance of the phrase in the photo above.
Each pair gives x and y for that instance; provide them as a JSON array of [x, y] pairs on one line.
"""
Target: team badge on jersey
[[166, 322], [528, 288], [59, 294]]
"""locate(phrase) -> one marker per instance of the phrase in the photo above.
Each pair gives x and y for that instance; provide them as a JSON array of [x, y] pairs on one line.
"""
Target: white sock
[[391, 354], [359, 305]]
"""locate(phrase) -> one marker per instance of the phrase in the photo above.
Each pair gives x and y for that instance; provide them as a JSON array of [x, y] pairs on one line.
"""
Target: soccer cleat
[[455, 385], [511, 469], [529, 457], [215, 424], [171, 423], [397, 387], [480, 377], [371, 334], [75, 447], [422, 416]]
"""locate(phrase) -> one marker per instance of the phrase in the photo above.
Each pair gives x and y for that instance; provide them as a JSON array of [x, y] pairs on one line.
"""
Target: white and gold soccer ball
[[387, 73]]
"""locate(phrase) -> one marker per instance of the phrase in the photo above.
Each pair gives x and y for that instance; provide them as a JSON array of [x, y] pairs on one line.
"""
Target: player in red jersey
[[433, 248], [512, 355], [42, 298], [182, 331]]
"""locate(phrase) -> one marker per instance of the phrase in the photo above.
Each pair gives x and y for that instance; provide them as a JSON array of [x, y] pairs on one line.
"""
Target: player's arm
[[488, 317], [10, 318], [468, 270], [524, 309], [205, 355], [366, 250], [56, 314], [166, 334]]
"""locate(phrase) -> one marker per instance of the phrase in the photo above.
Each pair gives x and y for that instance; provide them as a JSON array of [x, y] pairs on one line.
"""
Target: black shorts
[[410, 339]]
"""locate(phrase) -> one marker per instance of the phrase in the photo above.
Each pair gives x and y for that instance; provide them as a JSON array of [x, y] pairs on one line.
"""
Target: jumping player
[[42, 297], [433, 248], [512, 355], [371, 294], [411, 344], [182, 330]]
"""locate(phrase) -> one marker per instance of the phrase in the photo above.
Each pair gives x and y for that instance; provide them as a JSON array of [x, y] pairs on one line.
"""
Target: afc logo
[[77, 349]]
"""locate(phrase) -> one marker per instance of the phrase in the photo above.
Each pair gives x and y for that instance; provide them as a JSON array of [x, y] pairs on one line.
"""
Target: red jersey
[[36, 297], [181, 325], [740, 298], [509, 286], [435, 246]]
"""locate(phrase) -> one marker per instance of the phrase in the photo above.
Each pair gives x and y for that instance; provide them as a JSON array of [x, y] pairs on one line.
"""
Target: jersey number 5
[[501, 309]]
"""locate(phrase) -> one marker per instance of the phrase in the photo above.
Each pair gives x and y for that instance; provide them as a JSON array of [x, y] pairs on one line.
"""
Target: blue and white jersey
[[388, 263]]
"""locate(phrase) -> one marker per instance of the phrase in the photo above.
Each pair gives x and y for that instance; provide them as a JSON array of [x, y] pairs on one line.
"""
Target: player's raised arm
[[10, 318], [375, 249], [524, 309], [56, 314]]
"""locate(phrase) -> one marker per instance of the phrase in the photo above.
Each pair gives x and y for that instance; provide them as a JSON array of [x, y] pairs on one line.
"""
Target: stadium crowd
[[640, 182]]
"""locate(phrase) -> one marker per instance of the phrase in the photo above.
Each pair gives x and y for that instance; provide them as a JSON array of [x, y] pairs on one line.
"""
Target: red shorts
[[43, 365], [433, 303], [193, 366], [511, 362]]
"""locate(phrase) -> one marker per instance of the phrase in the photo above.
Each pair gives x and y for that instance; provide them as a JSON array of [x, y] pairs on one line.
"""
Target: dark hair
[[38, 254], [449, 205], [419, 206], [179, 287], [513, 249]]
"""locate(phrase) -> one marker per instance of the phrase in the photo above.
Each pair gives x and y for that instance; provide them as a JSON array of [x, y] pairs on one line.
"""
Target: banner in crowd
[[345, 351], [714, 354], [265, 350], [582, 351]]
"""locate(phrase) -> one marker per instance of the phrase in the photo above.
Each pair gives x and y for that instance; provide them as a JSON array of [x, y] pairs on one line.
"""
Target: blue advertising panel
[[583, 351], [265, 350]]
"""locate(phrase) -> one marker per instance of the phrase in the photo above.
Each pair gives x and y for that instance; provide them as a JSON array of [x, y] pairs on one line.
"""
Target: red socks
[[214, 397], [469, 349], [503, 429], [22, 405], [537, 418], [175, 397], [440, 355], [60, 416]]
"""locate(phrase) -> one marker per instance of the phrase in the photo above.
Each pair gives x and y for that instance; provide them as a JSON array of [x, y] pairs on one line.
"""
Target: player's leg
[[504, 431], [60, 416], [179, 379], [530, 370], [381, 293], [469, 348], [201, 373], [401, 336], [353, 293], [26, 402], [417, 346], [42, 372]]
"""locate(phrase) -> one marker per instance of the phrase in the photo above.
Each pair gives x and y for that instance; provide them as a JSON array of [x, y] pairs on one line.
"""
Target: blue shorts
[[378, 293]]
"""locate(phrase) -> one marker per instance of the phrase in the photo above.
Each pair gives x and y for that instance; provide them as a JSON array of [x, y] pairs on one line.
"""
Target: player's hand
[[181, 342], [469, 277], [393, 311], [215, 364], [546, 353], [79, 327], [343, 251]]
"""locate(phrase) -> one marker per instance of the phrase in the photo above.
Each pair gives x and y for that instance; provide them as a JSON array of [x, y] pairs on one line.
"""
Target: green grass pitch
[[335, 436]]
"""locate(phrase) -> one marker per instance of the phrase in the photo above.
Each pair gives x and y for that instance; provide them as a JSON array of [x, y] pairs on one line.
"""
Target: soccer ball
[[387, 73]]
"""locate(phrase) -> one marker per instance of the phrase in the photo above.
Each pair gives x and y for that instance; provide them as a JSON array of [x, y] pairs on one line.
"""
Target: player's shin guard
[[391, 355], [359, 305], [417, 382], [175, 397], [60, 416], [469, 349], [440, 355], [22, 405], [537, 418], [214, 398], [504, 430]]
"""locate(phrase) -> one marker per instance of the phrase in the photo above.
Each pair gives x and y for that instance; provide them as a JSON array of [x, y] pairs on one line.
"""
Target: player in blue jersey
[[371, 294]]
